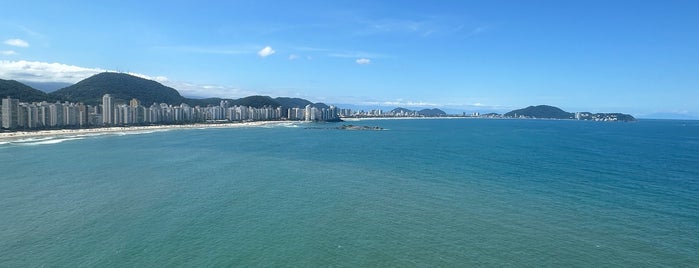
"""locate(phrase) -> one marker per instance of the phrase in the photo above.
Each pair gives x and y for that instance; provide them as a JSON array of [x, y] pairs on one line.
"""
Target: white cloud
[[363, 61], [267, 51], [35, 71], [8, 52], [16, 42], [293, 57], [208, 50], [160, 79]]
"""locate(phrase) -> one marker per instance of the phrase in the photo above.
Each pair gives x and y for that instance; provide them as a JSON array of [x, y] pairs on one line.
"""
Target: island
[[551, 112]]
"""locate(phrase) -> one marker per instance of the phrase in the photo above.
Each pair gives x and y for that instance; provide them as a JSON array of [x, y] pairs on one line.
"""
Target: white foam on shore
[[27, 140], [137, 132], [50, 141], [37, 136]]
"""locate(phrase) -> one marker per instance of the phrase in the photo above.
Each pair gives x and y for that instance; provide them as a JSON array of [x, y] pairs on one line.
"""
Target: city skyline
[[16, 115], [638, 58]]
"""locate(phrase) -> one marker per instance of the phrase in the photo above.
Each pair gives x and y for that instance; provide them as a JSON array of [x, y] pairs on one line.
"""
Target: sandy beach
[[12, 136]]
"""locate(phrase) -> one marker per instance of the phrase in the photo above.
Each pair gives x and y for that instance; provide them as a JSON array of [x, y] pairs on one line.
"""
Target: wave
[[135, 132], [49, 141], [26, 140]]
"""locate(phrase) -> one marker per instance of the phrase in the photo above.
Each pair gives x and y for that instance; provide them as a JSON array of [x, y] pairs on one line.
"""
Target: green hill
[[256, 102], [541, 111], [432, 112], [400, 110], [17, 90], [123, 87], [286, 102]]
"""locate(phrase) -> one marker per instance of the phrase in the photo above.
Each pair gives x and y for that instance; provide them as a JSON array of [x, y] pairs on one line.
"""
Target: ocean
[[420, 193]]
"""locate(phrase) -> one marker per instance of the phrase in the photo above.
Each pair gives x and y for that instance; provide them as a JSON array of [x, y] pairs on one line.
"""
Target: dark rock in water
[[353, 127]]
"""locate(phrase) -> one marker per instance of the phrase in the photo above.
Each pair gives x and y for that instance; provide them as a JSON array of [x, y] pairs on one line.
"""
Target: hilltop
[[541, 111], [434, 112], [123, 87]]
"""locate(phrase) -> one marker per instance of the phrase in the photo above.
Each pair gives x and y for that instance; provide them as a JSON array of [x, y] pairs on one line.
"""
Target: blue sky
[[639, 57]]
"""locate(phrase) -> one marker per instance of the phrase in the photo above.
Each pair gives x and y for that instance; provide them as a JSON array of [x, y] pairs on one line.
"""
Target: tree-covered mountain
[[256, 102], [432, 112], [541, 111], [401, 110], [123, 87], [17, 90], [206, 102], [287, 102]]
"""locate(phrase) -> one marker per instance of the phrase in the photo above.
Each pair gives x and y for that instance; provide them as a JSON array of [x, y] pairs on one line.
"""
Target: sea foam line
[[49, 141]]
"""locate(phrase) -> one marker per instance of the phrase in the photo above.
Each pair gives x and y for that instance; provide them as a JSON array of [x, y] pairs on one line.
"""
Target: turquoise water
[[447, 193]]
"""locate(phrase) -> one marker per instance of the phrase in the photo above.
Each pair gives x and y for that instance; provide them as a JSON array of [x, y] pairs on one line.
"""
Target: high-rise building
[[107, 109], [10, 112], [308, 114], [55, 114]]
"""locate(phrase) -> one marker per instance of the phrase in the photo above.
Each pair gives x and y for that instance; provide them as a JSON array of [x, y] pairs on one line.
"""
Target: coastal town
[[16, 115]]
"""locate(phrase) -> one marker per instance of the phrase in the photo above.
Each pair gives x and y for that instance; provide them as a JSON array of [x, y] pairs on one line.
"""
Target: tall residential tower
[[107, 109], [10, 112]]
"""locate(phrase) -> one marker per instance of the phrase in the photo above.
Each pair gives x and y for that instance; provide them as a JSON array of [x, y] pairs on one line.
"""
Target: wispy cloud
[[419, 25], [8, 52], [31, 32], [354, 54], [392, 25], [311, 49], [478, 30], [16, 42], [209, 50], [266, 51], [293, 57], [363, 61]]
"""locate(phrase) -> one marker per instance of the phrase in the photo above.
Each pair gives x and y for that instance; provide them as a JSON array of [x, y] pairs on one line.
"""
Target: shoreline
[[13, 136]]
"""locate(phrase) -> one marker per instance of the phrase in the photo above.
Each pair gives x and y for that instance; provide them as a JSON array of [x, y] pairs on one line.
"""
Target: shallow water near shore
[[420, 193]]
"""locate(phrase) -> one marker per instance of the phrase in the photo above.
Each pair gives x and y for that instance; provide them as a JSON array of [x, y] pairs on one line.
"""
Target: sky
[[638, 57]]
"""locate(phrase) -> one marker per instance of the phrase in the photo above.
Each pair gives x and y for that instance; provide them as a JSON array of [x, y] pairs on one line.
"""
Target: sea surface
[[421, 193]]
